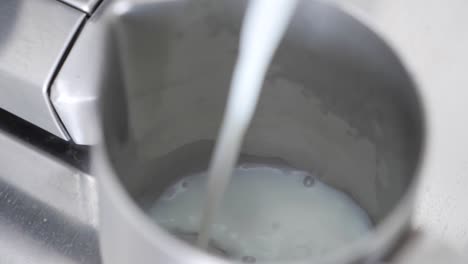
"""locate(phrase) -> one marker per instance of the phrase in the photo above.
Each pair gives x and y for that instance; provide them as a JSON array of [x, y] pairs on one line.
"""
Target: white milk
[[261, 213], [264, 25], [266, 214]]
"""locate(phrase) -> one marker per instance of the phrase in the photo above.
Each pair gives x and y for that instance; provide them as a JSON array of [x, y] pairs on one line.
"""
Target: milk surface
[[266, 214]]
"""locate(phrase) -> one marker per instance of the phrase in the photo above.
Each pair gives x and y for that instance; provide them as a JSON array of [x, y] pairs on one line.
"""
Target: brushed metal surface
[[48, 210], [87, 6], [432, 38], [75, 90], [336, 100], [34, 36], [420, 248]]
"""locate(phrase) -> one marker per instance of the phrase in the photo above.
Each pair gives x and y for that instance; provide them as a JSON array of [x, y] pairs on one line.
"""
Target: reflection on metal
[[87, 6], [34, 37], [48, 210], [75, 89]]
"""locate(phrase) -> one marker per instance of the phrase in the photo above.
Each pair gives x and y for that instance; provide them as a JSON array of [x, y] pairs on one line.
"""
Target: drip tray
[[48, 209]]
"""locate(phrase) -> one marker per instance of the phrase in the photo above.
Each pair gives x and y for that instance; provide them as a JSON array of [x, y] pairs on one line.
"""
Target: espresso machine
[[98, 96]]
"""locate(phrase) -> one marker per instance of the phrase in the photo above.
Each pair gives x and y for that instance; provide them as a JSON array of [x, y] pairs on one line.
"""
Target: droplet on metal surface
[[308, 181]]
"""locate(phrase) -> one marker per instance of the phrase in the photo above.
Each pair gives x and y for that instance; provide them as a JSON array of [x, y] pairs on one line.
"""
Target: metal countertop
[[48, 208]]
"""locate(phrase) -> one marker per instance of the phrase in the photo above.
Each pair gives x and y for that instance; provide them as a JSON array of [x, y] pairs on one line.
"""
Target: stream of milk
[[257, 213], [264, 25]]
